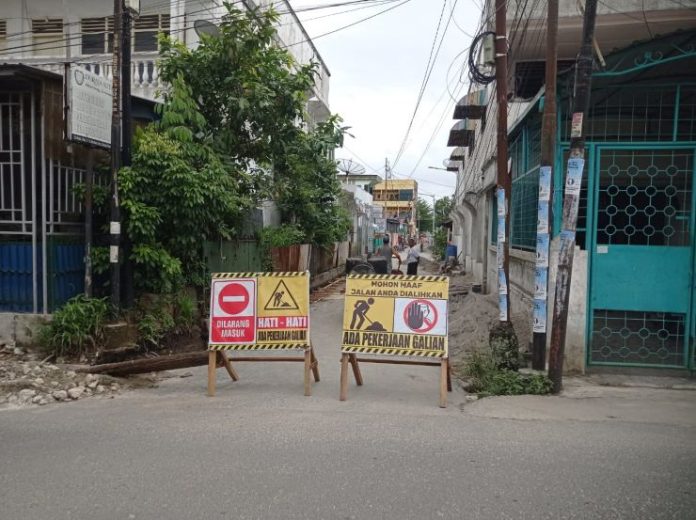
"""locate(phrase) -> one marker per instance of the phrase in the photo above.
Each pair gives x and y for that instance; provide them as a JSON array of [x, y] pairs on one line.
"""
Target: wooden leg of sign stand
[[212, 366], [228, 366], [344, 377], [444, 371], [356, 369], [449, 377], [315, 366], [308, 372]]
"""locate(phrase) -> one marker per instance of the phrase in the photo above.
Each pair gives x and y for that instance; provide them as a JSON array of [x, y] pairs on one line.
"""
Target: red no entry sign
[[233, 298], [233, 311]]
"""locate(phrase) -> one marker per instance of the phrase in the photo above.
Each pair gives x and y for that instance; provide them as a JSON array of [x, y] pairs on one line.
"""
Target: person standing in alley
[[412, 257]]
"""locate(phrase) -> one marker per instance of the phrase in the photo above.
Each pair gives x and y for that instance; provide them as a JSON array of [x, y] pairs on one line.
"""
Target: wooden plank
[[156, 364], [268, 358], [449, 377], [444, 368], [398, 362], [308, 373], [344, 378], [212, 366], [315, 366], [228, 366], [356, 369]]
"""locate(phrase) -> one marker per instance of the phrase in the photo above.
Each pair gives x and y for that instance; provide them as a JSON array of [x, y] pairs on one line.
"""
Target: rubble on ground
[[27, 381]]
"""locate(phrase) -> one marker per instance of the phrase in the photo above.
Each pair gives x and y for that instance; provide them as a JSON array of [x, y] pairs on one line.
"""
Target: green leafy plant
[[440, 243], [185, 312], [100, 259], [75, 327], [485, 378]]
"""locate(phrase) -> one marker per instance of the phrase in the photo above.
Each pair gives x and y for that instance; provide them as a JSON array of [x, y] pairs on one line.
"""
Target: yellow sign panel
[[396, 315], [259, 311]]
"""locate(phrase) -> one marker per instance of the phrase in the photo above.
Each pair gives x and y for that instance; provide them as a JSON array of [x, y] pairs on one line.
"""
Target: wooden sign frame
[[217, 351], [218, 359], [408, 293], [353, 360]]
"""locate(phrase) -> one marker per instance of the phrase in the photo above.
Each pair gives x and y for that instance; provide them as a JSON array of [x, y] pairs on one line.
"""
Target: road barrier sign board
[[259, 311], [396, 315]]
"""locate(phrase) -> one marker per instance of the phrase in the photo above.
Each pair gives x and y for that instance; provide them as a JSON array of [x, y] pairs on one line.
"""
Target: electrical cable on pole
[[548, 147], [573, 183]]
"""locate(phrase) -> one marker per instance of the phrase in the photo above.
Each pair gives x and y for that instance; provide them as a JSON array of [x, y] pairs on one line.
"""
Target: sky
[[377, 67]]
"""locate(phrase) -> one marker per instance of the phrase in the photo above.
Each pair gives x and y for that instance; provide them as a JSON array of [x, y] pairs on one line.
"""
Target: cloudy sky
[[377, 68]]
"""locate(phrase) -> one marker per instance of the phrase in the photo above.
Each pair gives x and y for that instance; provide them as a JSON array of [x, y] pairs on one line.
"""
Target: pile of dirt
[[471, 316]]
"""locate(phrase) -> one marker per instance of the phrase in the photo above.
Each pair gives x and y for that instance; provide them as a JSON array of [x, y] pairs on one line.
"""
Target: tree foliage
[[177, 194], [233, 132], [306, 185], [443, 208], [424, 215]]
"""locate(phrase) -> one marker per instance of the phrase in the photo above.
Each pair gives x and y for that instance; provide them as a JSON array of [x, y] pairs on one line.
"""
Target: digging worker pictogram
[[360, 313]]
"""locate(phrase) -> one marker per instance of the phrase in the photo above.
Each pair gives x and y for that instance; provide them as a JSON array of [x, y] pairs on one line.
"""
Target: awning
[[462, 133], [458, 154], [471, 106], [453, 166]]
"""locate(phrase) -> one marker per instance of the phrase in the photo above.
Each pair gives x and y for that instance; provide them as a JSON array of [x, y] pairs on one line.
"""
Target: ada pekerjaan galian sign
[[89, 100]]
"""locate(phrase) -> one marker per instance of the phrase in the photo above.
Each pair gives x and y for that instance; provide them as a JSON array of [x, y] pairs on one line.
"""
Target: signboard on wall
[[89, 102]]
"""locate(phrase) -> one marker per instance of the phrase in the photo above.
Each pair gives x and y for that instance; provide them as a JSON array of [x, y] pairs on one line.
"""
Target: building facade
[[41, 216], [398, 198], [632, 299]]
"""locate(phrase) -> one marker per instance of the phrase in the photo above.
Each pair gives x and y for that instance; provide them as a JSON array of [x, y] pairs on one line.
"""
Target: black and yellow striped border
[[261, 346], [280, 274], [395, 351], [404, 278]]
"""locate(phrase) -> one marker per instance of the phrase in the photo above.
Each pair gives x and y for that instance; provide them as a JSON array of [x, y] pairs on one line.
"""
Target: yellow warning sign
[[281, 299], [259, 311], [396, 315]]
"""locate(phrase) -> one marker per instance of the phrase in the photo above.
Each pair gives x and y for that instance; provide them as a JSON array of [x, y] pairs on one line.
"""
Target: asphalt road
[[260, 449]]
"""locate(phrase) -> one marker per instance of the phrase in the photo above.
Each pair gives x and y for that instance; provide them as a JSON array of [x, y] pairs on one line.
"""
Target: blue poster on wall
[[500, 202], [543, 217], [545, 183], [539, 316], [574, 177], [540, 282], [542, 250]]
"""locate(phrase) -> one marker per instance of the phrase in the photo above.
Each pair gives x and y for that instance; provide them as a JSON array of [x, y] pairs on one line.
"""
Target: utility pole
[[576, 162], [115, 220], [548, 148], [503, 174], [127, 137], [126, 87]]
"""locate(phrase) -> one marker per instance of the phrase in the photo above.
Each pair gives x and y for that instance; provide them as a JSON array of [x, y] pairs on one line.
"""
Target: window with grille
[[47, 37], [97, 35], [3, 34], [146, 29], [524, 157]]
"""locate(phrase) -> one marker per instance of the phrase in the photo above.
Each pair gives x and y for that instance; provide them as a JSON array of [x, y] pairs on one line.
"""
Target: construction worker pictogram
[[281, 299]]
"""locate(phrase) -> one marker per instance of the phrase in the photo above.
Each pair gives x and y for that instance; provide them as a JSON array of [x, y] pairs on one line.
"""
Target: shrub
[[75, 326], [487, 379]]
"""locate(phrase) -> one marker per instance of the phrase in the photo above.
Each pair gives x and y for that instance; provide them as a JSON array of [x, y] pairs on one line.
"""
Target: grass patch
[[486, 378], [76, 327]]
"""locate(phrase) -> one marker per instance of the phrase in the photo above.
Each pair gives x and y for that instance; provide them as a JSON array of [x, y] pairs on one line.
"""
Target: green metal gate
[[640, 213]]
